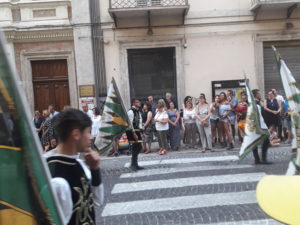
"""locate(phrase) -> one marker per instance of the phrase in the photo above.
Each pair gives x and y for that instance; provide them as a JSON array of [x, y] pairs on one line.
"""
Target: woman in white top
[[96, 118], [189, 120], [203, 123], [161, 120]]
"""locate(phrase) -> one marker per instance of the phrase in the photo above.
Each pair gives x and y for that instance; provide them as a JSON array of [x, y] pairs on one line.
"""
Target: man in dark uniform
[[265, 144], [134, 136]]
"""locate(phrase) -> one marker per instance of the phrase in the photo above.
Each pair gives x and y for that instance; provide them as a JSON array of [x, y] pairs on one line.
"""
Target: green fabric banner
[[255, 135], [25, 194], [114, 121]]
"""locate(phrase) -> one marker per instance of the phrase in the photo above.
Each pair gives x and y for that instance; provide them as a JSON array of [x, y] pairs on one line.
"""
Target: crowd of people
[[44, 124], [208, 126], [198, 124]]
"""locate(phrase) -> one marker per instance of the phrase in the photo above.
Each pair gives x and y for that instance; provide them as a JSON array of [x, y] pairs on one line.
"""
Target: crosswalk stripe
[[184, 182], [247, 222], [150, 172], [179, 203], [186, 160]]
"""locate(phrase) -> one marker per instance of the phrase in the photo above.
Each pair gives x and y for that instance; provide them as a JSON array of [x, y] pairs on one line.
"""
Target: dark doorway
[[290, 53], [237, 86], [152, 72], [50, 83]]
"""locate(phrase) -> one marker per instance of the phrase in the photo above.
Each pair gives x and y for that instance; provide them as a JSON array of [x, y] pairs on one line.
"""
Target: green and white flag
[[114, 120], [293, 97], [26, 197], [255, 135]]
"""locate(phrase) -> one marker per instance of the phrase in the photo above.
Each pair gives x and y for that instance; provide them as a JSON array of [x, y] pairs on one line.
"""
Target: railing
[[120, 4], [268, 1]]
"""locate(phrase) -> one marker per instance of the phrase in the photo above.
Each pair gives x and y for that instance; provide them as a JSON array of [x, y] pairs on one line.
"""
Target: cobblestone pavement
[[186, 187]]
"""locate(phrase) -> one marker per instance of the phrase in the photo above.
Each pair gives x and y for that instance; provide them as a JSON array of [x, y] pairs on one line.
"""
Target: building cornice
[[15, 36], [36, 3]]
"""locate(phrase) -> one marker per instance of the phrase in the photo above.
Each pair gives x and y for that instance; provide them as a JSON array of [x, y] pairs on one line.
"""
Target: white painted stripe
[[179, 203], [184, 182], [247, 222], [143, 173], [186, 160]]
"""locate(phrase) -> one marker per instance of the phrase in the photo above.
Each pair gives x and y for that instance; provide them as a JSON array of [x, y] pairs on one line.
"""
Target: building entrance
[[152, 71], [50, 83]]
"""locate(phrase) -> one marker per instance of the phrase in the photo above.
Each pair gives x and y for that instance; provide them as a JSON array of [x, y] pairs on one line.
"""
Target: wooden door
[[50, 83]]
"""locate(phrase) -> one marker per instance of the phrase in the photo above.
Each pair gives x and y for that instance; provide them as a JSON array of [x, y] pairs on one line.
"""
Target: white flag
[[293, 97], [254, 133]]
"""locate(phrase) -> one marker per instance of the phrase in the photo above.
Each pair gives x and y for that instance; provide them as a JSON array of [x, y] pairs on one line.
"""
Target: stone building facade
[[214, 44], [52, 49], [186, 47]]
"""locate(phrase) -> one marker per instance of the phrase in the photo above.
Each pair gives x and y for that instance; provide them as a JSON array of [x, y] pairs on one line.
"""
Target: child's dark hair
[[68, 120], [97, 111], [255, 92], [223, 93], [149, 106]]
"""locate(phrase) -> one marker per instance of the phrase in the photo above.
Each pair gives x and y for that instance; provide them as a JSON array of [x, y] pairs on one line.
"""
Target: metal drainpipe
[[98, 53]]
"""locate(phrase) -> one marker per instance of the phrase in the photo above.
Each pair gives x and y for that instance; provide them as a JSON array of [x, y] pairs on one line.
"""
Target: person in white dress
[[96, 122]]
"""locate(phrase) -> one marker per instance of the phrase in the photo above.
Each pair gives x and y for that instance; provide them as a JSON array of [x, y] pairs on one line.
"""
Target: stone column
[[83, 43]]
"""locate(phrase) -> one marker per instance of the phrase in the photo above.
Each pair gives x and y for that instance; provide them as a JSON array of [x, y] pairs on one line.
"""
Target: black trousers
[[136, 149], [264, 150]]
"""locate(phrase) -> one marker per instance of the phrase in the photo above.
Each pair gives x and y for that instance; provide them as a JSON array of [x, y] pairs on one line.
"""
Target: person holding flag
[[266, 142], [115, 121], [134, 135], [255, 129]]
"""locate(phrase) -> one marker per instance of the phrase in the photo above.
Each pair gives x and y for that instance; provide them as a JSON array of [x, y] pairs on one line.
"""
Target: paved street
[[186, 187]]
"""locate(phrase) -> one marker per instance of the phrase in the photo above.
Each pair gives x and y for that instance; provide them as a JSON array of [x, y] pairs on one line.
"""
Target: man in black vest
[[76, 182], [134, 136]]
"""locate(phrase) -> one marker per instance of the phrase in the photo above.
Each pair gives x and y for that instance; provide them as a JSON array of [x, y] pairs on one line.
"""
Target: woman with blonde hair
[[162, 103], [161, 120]]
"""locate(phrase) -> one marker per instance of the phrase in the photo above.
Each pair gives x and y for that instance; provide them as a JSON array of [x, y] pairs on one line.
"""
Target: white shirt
[[96, 121], [189, 113], [89, 113], [280, 98], [51, 115], [161, 116], [63, 191]]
